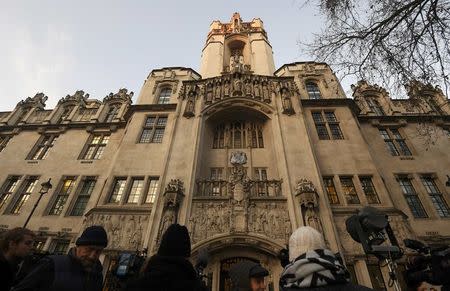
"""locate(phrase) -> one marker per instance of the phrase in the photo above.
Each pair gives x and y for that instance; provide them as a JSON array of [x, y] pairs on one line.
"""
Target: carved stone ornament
[[268, 219], [125, 232], [304, 186], [37, 101], [78, 98], [122, 96], [175, 185], [238, 158]]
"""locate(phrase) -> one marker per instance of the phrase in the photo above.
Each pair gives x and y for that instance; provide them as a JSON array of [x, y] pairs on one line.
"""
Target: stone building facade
[[240, 153]]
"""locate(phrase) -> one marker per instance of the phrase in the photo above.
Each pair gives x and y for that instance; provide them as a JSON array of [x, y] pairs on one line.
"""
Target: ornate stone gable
[[78, 98], [38, 101], [122, 96]]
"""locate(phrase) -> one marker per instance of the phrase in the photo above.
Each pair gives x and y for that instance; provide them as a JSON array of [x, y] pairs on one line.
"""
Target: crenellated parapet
[[263, 89]]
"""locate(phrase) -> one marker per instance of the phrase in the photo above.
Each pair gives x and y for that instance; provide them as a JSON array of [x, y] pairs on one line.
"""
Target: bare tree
[[387, 41]]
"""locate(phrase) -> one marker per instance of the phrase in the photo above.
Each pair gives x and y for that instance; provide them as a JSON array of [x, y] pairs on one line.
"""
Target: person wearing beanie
[[247, 275], [80, 269], [169, 268], [312, 266]]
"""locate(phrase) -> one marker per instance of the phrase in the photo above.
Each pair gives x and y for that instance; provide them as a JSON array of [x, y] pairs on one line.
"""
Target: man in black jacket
[[78, 270], [170, 268], [15, 245]]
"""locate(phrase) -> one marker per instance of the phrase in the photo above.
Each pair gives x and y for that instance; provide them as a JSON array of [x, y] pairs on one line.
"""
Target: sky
[[58, 47]]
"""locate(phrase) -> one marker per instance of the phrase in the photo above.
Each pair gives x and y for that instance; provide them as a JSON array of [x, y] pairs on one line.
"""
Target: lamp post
[[45, 187]]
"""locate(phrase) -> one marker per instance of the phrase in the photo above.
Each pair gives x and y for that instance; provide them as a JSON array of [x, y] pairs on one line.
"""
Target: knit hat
[[304, 239], [93, 236], [175, 242], [241, 273]]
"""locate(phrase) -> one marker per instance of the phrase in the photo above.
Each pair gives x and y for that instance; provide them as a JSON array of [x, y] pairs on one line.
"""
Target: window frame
[[54, 209], [112, 190], [130, 188], [113, 112], [23, 195], [327, 128], [346, 194], [409, 196], [164, 99], [148, 188], [80, 194], [395, 143], [97, 147], [42, 147], [374, 195], [313, 90], [6, 195], [151, 130], [333, 198], [437, 198], [4, 140]]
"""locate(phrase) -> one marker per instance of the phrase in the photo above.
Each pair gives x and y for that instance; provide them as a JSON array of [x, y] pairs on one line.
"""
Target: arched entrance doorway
[[226, 251], [225, 283]]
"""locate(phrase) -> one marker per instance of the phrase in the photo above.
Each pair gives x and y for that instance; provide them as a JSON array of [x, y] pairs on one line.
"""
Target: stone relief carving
[[269, 219], [124, 231], [261, 88]]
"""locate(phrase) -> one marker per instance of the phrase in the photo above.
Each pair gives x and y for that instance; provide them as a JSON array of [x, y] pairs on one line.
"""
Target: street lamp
[[45, 187]]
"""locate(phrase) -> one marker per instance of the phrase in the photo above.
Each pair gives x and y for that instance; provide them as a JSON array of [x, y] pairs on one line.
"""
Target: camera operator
[[430, 265], [15, 245]]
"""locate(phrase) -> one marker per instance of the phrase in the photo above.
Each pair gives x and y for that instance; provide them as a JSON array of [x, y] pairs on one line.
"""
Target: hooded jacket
[[317, 270], [167, 273]]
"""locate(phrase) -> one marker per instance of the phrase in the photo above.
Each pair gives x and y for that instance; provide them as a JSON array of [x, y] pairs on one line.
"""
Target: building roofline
[[300, 63], [175, 68]]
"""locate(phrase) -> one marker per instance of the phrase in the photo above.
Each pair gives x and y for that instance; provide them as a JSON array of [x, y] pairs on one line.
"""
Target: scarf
[[315, 268]]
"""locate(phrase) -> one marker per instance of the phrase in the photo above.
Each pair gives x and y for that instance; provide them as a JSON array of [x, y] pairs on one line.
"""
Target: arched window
[[66, 112], [241, 134], [375, 106], [164, 95], [313, 90], [113, 110]]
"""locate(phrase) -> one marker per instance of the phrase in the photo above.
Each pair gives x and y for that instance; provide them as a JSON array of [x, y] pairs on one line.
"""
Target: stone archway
[[224, 251]]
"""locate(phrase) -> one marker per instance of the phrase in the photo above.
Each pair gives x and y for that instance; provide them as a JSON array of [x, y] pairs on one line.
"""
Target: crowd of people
[[311, 265]]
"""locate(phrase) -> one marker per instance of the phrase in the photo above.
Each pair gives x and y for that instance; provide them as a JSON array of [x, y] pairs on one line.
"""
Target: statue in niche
[[236, 62], [237, 86], [168, 219], [209, 93], [226, 89], [312, 219], [265, 92], [190, 105], [248, 88], [217, 91], [256, 90], [286, 101]]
